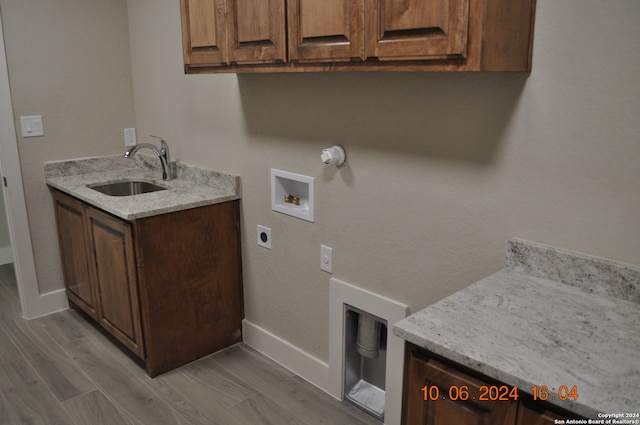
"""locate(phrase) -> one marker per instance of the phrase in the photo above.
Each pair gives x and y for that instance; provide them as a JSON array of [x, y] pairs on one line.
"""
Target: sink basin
[[126, 188]]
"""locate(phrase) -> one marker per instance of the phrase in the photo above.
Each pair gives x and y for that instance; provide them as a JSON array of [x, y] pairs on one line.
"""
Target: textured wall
[[68, 61], [442, 168]]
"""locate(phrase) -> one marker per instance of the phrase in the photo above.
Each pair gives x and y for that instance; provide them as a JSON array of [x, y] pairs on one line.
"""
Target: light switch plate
[[326, 258], [32, 126]]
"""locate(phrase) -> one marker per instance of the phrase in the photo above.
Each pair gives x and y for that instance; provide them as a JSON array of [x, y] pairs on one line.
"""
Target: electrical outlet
[[130, 137], [264, 236], [326, 258]]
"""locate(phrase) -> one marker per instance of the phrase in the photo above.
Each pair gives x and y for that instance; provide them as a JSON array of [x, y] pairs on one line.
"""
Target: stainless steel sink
[[126, 188]]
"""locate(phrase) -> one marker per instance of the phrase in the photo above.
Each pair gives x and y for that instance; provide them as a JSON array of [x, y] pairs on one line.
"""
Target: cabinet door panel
[[330, 30], [74, 252], [257, 31], [529, 414], [204, 40], [115, 275], [424, 371], [417, 29], [191, 287]]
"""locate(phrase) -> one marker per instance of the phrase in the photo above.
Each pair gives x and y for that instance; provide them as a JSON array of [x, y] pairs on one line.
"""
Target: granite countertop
[[192, 187], [551, 317]]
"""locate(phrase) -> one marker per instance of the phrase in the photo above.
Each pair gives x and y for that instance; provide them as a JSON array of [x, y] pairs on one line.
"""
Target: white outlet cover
[[130, 137], [264, 237]]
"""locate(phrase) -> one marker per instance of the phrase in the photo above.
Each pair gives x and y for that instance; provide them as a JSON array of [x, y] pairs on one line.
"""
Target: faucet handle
[[164, 150], [164, 147], [162, 142]]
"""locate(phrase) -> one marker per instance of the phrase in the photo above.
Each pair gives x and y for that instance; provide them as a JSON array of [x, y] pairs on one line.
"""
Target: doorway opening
[[13, 198]]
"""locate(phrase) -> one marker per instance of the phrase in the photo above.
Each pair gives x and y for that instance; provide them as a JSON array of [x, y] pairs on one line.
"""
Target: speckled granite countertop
[[193, 186], [551, 317]]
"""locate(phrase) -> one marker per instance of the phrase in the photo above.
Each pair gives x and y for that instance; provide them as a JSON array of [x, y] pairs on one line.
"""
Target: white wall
[[68, 61], [442, 168]]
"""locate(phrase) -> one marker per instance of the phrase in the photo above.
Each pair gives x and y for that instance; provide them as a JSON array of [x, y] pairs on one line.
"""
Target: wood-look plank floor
[[60, 369]]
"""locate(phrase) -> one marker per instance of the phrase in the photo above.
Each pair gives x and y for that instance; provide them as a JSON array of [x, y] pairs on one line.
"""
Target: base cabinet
[[530, 414], [437, 392], [168, 287], [113, 271], [75, 252]]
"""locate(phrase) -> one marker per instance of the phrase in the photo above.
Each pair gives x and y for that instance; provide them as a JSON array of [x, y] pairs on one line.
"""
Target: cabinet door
[[204, 40], [530, 414], [74, 252], [256, 30], [423, 371], [190, 280], [329, 30], [417, 29], [115, 277]]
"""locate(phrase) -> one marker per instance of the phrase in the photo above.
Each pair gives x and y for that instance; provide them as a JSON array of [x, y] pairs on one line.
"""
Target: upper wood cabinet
[[417, 29], [329, 30], [357, 35], [256, 30], [221, 32], [204, 34]]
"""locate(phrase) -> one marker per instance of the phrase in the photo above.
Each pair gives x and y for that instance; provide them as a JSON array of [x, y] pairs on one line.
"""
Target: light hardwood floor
[[60, 369]]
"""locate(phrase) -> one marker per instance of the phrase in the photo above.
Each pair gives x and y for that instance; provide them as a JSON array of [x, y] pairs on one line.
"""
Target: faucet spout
[[163, 155]]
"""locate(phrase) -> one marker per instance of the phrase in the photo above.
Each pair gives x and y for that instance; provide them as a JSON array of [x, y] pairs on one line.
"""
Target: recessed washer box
[[290, 185]]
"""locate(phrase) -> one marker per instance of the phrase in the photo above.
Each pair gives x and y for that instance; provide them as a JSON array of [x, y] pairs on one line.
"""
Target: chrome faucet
[[163, 154]]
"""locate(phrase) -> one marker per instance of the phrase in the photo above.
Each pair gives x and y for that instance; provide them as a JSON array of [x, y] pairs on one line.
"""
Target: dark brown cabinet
[[168, 287], [75, 253], [113, 269], [531, 414], [361, 35], [438, 392]]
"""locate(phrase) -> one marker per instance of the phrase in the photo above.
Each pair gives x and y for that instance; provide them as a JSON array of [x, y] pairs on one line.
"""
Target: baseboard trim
[[286, 354], [6, 255], [48, 303]]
